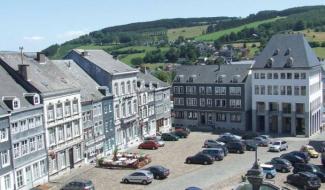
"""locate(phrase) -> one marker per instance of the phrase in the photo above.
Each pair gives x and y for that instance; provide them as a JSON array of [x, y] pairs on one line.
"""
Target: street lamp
[[255, 174]]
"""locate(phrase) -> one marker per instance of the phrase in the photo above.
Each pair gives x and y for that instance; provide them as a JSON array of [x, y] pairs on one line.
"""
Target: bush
[[136, 61]]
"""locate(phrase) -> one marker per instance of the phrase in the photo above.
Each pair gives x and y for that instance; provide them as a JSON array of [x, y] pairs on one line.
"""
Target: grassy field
[[314, 36], [320, 52], [216, 35], [186, 32]]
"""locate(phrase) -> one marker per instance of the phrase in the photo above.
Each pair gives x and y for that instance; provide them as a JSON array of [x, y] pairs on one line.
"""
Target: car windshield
[[315, 168], [310, 148], [276, 143], [268, 168]]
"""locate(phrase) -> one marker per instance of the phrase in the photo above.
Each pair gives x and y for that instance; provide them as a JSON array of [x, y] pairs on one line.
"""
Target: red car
[[149, 145]]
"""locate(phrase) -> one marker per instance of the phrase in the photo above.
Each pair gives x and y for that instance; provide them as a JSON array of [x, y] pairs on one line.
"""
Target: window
[[209, 90], [235, 103], [286, 107], [220, 90], [20, 178], [24, 147], [269, 76], [31, 123], [257, 89], [4, 135], [303, 90], [134, 106], [59, 110], [78, 152], [15, 128], [179, 101], [283, 90], [52, 137], [275, 90], [62, 160], [269, 90], [5, 158], [23, 125], [128, 88], [256, 75], [275, 75], [235, 91], [289, 90], [40, 142], [262, 89], [123, 110], [192, 115], [75, 107], [67, 108], [300, 108], [296, 90], [202, 102], [221, 117], [289, 75], [16, 150], [38, 121], [7, 182], [129, 108], [116, 90], [191, 101], [262, 75], [235, 117], [76, 128], [16, 104], [32, 144], [202, 90], [209, 102], [123, 87], [303, 76], [61, 133], [283, 76], [36, 172], [273, 106], [179, 114], [296, 75], [50, 112], [43, 167]]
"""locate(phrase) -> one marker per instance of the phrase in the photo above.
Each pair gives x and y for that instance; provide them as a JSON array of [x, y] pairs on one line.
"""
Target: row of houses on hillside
[[278, 93], [56, 115]]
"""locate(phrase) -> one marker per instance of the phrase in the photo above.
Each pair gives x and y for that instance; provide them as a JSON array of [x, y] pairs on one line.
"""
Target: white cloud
[[72, 34], [34, 38]]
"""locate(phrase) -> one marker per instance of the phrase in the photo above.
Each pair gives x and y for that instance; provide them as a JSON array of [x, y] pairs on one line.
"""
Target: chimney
[[40, 57], [23, 71], [84, 53]]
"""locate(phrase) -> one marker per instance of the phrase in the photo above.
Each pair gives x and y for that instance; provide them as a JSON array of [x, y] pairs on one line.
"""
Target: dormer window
[[16, 104], [221, 78], [36, 99], [191, 79], [288, 51], [289, 63], [32, 98], [276, 52], [269, 63], [235, 79]]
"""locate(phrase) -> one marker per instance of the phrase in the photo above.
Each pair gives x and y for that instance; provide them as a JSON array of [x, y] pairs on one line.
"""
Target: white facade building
[[286, 88]]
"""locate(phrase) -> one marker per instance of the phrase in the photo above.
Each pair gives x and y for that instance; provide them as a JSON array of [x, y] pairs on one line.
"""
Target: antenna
[[21, 48]]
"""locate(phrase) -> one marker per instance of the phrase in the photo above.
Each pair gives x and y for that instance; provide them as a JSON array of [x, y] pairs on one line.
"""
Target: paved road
[[183, 175]]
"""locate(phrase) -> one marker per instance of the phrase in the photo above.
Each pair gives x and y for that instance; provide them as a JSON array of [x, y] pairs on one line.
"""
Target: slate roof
[[147, 77], [77, 76], [207, 74], [287, 45], [9, 87], [106, 61], [45, 77]]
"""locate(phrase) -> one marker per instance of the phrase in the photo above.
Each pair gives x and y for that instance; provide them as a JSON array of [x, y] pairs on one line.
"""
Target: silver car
[[140, 176], [209, 143]]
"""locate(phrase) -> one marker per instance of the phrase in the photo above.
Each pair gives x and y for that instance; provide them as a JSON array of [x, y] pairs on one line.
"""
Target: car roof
[[308, 174], [266, 166], [141, 171], [212, 149], [81, 181]]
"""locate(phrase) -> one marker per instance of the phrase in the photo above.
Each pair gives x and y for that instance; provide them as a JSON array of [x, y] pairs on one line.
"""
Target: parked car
[[267, 138], [231, 135], [185, 129], [180, 134], [304, 180], [149, 145], [159, 172], [293, 159], [268, 171], [209, 143], [227, 139], [169, 137], [216, 153], [156, 139], [140, 176], [248, 135], [236, 147], [310, 168], [193, 188], [199, 159], [79, 185], [261, 142], [281, 164], [302, 155], [250, 145], [278, 146], [310, 150]]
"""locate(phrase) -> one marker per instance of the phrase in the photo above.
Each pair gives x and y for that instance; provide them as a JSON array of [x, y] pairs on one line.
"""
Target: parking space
[[182, 175]]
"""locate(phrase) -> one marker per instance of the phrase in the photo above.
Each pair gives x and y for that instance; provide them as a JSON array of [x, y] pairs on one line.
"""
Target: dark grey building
[[6, 167], [213, 96], [97, 111], [27, 133]]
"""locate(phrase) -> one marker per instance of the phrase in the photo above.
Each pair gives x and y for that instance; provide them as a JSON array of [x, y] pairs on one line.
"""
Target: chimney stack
[[84, 53], [40, 57], [23, 71]]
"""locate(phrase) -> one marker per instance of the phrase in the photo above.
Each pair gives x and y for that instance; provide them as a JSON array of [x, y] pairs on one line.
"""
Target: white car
[[139, 176], [278, 146], [209, 143]]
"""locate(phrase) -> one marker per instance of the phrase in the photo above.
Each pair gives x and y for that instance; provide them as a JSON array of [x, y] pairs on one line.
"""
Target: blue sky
[[36, 24]]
